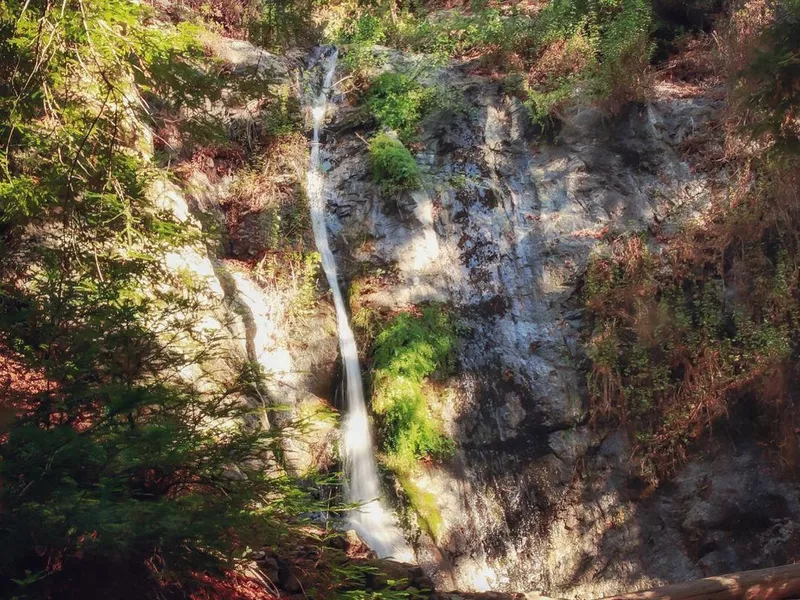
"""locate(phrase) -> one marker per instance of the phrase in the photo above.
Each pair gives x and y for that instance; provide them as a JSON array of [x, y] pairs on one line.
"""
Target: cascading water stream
[[373, 522]]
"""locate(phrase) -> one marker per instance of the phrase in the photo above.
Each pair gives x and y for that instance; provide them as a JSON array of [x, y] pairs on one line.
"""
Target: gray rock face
[[503, 229]]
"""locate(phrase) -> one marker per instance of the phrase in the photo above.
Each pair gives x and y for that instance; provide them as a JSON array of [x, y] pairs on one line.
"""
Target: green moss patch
[[393, 166], [410, 349]]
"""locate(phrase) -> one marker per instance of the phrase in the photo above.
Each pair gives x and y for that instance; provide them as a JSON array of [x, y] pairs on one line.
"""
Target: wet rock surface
[[503, 229]]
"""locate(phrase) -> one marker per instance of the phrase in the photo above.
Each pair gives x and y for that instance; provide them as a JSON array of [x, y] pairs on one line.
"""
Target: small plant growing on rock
[[409, 350], [399, 102], [393, 166]]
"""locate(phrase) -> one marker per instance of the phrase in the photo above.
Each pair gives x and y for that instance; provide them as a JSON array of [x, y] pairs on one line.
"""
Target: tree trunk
[[765, 584]]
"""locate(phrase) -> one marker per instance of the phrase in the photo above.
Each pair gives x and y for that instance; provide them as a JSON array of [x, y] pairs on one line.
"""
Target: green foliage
[[624, 33], [615, 29], [359, 36], [542, 105], [174, 60], [455, 34], [393, 166], [399, 102], [131, 454], [368, 28], [767, 86], [615, 47], [598, 48], [279, 24], [407, 351], [119, 459], [669, 353]]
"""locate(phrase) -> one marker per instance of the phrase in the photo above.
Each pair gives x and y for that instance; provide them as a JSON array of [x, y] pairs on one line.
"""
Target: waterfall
[[373, 522]]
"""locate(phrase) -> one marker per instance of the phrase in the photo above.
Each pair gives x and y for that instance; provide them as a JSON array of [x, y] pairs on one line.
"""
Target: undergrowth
[[682, 338], [596, 49], [669, 350]]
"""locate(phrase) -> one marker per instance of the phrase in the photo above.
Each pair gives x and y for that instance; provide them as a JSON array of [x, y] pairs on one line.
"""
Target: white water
[[373, 522]]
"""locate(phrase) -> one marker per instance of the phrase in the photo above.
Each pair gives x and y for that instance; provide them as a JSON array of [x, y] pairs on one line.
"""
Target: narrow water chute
[[373, 522]]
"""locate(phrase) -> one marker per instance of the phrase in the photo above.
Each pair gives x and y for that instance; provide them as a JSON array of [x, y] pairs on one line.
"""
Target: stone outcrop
[[534, 497]]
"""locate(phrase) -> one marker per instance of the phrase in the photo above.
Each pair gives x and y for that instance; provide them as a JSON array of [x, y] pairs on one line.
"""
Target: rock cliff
[[535, 497]]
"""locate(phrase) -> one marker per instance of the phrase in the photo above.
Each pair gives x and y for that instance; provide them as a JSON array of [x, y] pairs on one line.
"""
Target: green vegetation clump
[[307, 275], [767, 90], [399, 102], [393, 166], [409, 350], [359, 37]]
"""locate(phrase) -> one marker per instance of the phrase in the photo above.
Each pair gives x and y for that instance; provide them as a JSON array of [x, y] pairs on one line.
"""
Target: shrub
[[615, 41], [278, 24], [487, 31], [359, 36], [668, 353], [603, 46], [624, 50], [399, 102], [407, 351], [366, 29], [393, 166], [768, 93], [543, 106]]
